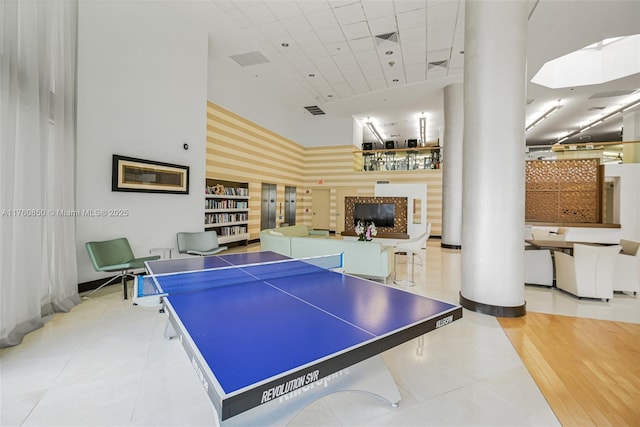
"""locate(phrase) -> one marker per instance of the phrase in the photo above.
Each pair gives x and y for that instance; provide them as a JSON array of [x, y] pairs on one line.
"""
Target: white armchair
[[626, 277], [538, 266], [588, 273]]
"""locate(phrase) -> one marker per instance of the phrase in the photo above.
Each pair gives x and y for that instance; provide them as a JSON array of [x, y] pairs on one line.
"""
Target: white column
[[631, 132], [493, 175], [452, 169]]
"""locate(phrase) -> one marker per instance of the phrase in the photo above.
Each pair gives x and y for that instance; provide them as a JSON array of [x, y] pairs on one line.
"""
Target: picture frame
[[147, 176]]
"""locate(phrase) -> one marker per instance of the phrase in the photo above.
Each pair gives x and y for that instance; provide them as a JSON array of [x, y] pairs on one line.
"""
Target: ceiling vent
[[390, 37], [251, 58], [611, 94], [436, 64], [596, 108], [314, 110]]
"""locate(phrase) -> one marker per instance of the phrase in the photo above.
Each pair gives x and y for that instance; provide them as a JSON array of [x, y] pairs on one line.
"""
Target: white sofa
[[366, 259], [626, 277]]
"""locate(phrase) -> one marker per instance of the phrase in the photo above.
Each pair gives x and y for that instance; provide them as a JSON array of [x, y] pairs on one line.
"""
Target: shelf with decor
[[413, 158], [226, 210]]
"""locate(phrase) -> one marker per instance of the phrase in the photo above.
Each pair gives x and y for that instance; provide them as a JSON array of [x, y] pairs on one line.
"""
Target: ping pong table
[[267, 335]]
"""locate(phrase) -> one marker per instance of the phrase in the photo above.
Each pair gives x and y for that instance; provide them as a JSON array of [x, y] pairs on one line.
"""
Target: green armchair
[[115, 255]]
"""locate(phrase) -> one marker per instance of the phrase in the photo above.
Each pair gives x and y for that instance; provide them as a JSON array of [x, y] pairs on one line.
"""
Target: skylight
[[597, 63]]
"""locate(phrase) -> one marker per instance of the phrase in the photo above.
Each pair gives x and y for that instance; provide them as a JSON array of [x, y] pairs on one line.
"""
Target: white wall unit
[[413, 192]]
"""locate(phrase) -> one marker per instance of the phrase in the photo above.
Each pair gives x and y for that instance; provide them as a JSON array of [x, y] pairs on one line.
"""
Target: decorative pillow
[[629, 247]]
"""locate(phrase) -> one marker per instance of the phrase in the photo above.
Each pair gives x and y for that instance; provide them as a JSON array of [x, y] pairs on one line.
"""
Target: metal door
[[290, 205], [268, 206]]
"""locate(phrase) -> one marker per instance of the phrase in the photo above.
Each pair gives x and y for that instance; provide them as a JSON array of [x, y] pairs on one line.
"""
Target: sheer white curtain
[[38, 272]]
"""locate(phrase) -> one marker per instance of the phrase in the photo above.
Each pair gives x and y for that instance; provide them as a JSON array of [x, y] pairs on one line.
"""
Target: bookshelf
[[226, 210]]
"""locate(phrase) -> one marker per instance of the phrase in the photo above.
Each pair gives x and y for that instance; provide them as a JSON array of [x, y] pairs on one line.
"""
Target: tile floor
[[107, 363]]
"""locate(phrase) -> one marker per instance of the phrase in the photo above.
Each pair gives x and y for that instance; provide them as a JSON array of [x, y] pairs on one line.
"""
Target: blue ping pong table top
[[255, 331]]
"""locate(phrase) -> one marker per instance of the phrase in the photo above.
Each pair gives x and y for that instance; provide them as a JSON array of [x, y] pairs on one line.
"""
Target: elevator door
[[290, 205], [268, 207]]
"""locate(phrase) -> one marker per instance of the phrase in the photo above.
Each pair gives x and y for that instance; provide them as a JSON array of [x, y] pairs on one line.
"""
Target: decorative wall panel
[[400, 222], [565, 191]]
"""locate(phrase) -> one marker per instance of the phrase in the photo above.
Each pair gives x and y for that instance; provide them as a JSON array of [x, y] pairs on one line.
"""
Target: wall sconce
[[423, 129], [375, 133]]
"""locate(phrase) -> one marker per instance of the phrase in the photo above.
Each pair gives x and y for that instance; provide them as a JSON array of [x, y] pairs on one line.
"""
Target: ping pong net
[[158, 285]]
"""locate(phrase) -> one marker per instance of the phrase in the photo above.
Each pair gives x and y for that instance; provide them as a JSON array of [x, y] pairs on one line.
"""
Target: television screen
[[381, 214]]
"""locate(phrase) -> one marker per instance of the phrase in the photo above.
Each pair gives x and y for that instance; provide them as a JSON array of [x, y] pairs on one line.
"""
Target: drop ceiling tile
[[366, 57], [378, 84], [275, 32], [349, 13], [418, 58], [438, 55], [259, 13], [412, 35], [412, 19], [297, 25], [330, 35], [372, 71], [415, 72], [240, 19], [364, 44], [322, 20], [284, 9], [356, 30], [442, 29], [344, 59], [442, 11], [338, 48], [438, 43], [378, 9], [343, 90], [383, 25], [415, 48], [407, 5], [313, 6], [309, 39]]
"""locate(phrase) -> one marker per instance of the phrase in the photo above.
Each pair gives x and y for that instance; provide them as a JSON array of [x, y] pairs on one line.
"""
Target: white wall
[[142, 87], [253, 102], [628, 194]]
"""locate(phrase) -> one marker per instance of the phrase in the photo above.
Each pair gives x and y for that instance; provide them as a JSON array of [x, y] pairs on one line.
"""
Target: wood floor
[[588, 370]]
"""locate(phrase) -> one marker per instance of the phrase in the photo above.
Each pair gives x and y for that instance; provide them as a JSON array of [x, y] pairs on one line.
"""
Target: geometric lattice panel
[[563, 191]]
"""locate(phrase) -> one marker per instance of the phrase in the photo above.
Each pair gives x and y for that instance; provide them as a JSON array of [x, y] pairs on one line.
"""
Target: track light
[[547, 113], [375, 133], [600, 120]]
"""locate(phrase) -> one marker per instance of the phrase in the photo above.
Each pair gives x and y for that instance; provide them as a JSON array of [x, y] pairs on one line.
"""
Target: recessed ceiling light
[[395, 80], [389, 52], [285, 44], [312, 75], [329, 96]]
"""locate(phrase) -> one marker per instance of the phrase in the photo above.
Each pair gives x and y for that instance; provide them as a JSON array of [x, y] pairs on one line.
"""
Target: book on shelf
[[228, 191]]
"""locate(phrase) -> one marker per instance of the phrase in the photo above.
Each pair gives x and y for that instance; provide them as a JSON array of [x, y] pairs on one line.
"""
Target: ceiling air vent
[[436, 64], [314, 110], [390, 37], [251, 58], [596, 108]]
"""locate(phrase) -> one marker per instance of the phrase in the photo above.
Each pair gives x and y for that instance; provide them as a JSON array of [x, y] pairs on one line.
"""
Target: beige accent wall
[[243, 151]]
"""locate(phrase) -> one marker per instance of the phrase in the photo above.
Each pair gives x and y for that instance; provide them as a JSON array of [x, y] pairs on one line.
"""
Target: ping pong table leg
[[371, 376], [169, 332]]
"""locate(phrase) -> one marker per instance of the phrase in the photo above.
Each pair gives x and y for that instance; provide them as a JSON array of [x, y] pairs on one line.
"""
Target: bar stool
[[409, 249]]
